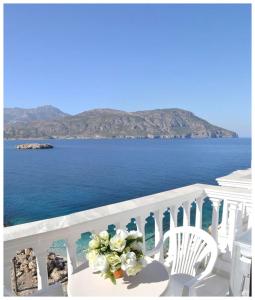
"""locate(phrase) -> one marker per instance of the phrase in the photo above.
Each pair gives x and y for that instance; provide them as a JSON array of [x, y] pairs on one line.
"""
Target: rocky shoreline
[[24, 276], [121, 137], [34, 146]]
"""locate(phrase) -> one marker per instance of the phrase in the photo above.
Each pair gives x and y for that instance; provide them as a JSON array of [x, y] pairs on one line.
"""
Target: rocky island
[[34, 146], [48, 122]]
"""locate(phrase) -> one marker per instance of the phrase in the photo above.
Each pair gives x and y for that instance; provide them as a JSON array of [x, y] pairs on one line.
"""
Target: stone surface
[[25, 279], [34, 146]]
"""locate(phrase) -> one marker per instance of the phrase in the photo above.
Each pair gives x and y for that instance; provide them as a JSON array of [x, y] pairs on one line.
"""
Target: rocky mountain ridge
[[46, 112], [110, 123]]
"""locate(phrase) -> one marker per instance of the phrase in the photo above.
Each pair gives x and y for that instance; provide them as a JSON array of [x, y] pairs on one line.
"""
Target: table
[[151, 281]]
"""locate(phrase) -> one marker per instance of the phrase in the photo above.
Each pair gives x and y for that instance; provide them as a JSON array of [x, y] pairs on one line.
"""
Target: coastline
[[122, 138]]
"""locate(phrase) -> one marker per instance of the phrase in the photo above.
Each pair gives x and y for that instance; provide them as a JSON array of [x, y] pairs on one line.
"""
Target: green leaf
[[110, 275], [113, 278]]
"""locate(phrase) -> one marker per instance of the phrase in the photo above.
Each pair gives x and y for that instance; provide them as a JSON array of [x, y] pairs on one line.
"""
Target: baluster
[[224, 222], [199, 212], [42, 271], [249, 213], [121, 225], [245, 216], [186, 213], [71, 253], [224, 227], [232, 223], [8, 268], [243, 210], [215, 217], [140, 224], [158, 217], [173, 216], [173, 210], [239, 219]]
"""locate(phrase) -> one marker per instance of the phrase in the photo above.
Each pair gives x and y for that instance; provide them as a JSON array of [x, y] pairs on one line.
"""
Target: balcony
[[231, 208]]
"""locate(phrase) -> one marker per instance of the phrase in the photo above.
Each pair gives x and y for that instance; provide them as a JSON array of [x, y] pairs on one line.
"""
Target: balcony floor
[[213, 286]]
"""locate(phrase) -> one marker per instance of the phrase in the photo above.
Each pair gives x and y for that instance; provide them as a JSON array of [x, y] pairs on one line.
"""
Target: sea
[[77, 175]]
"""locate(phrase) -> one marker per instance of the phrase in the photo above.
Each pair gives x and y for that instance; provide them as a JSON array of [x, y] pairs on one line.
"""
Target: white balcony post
[[173, 216], [173, 210], [8, 264], [158, 218], [223, 231], [249, 213], [121, 225], [244, 213], [215, 217], [8, 269], [239, 218], [199, 212], [140, 224], [224, 222], [186, 213], [42, 271], [232, 223], [71, 253]]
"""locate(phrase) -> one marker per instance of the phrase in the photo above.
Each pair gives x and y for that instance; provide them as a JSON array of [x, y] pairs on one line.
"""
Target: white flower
[[118, 242], [138, 246], [95, 242], [122, 233], [91, 257], [113, 260], [130, 264], [134, 270], [104, 235], [128, 260], [100, 264], [133, 234], [142, 262]]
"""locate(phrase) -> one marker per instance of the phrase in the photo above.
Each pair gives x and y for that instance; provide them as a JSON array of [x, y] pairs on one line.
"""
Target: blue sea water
[[81, 174]]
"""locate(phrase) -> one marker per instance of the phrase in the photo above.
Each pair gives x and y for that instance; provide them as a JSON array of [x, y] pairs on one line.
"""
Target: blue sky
[[131, 57]]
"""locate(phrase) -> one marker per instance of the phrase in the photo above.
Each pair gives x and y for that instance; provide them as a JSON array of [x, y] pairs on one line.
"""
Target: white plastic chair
[[189, 248]]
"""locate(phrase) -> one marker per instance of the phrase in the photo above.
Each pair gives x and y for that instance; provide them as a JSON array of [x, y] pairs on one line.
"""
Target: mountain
[[110, 123], [41, 113]]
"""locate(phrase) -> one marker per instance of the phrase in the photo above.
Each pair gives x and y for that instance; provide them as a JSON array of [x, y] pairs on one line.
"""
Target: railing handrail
[[238, 194], [132, 207]]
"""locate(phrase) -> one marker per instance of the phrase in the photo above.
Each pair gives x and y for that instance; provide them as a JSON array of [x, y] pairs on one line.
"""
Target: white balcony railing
[[39, 235]]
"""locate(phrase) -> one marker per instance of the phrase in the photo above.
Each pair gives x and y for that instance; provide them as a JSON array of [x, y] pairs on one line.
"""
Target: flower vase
[[118, 274]]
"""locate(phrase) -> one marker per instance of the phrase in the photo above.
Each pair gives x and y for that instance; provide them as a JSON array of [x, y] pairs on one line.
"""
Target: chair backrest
[[188, 247]]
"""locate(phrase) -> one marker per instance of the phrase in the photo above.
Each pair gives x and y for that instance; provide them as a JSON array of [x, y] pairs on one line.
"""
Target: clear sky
[[131, 57]]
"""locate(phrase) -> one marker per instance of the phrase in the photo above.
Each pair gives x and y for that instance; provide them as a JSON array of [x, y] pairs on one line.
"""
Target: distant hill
[[109, 123], [41, 113]]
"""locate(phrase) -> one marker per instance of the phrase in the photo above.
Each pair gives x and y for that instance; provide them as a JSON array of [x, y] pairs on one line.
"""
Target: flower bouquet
[[114, 255]]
